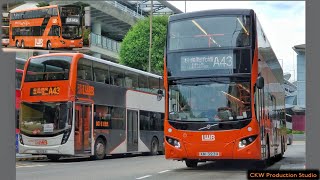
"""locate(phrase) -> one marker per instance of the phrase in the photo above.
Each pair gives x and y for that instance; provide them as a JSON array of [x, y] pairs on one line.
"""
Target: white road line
[[143, 177], [29, 166], [163, 171]]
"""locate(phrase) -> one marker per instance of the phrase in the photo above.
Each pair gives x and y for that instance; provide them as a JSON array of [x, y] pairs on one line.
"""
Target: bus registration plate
[[209, 153]]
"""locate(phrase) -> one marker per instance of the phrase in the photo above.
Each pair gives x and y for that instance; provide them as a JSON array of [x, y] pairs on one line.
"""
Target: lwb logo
[[208, 137], [38, 43]]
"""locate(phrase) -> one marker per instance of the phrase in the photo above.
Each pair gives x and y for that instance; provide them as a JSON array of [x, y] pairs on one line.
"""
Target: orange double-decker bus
[[47, 27], [77, 105], [223, 85]]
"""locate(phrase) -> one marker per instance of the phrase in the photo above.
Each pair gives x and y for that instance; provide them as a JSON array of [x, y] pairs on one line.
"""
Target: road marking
[[18, 166], [163, 171], [143, 177]]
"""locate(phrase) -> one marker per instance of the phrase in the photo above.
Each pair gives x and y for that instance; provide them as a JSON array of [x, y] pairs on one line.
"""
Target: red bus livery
[[223, 89], [47, 27]]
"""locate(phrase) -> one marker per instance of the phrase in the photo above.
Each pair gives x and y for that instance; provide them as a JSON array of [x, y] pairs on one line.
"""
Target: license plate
[[72, 45], [41, 151], [209, 153]]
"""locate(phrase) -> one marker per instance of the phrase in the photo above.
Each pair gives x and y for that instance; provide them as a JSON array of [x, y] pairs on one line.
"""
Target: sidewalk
[[29, 157]]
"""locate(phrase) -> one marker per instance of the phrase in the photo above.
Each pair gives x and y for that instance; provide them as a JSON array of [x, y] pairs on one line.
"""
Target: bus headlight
[[65, 136], [246, 141], [173, 142]]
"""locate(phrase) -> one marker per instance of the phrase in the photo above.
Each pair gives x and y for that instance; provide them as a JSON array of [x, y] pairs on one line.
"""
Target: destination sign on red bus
[[207, 62], [44, 91]]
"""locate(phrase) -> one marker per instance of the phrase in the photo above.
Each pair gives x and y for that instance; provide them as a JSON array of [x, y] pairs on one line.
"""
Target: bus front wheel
[[191, 163], [17, 44], [99, 149]]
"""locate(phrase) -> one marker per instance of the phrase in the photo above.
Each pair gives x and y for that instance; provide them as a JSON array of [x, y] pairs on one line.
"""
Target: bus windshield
[[209, 101], [48, 68], [5, 32], [44, 118], [71, 32], [210, 32], [66, 11]]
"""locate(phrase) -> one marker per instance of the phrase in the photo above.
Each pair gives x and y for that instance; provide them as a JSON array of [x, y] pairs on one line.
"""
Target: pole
[[150, 41], [185, 6]]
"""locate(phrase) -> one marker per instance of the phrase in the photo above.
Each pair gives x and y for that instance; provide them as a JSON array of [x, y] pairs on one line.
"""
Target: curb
[[31, 158]]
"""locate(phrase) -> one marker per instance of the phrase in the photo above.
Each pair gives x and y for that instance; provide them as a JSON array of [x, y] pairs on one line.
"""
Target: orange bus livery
[[223, 89], [47, 27]]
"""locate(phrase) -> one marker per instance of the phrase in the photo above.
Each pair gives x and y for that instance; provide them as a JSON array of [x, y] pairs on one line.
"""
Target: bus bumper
[[50, 148], [213, 151]]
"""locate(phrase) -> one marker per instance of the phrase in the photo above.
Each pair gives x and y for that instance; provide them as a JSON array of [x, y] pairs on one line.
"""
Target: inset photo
[[45, 26]]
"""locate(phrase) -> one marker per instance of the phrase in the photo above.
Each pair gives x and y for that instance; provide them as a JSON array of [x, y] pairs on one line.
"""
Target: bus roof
[[102, 61], [211, 13], [34, 8]]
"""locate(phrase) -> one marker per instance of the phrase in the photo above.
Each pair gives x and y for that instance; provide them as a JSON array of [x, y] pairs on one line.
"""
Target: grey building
[[301, 75]]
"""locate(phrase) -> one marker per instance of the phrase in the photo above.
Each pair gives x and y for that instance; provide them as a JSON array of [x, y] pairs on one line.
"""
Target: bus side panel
[[150, 120], [108, 98]]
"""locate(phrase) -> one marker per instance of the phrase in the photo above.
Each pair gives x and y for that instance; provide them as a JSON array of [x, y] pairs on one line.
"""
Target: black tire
[[191, 163], [49, 45], [53, 157], [268, 160], [154, 146], [22, 44], [99, 149], [17, 44]]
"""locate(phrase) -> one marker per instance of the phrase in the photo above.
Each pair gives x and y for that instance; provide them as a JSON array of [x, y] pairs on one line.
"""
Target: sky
[[282, 21]]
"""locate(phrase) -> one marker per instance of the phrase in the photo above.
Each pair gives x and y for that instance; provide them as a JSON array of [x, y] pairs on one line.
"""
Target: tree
[[134, 50], [43, 4]]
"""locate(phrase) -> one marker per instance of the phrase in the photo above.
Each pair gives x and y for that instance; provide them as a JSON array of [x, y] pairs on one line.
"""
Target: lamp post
[[150, 41]]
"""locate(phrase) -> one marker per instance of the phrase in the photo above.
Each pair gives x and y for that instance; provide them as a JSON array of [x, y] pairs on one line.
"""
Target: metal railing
[[125, 9], [105, 42]]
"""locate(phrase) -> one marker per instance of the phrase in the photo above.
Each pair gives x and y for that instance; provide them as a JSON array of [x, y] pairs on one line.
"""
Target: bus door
[[83, 128], [132, 130], [259, 104]]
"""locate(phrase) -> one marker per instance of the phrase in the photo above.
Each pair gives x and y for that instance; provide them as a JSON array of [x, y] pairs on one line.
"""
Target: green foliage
[[297, 132], [134, 50], [86, 33], [43, 4]]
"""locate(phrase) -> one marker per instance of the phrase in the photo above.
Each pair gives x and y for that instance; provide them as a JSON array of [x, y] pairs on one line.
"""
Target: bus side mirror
[[159, 94], [260, 82]]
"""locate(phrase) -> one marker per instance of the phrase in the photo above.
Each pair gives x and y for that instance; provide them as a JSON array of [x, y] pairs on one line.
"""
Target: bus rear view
[[211, 70]]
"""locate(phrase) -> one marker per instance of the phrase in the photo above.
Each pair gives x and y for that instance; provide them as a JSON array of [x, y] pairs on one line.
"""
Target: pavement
[[294, 158]]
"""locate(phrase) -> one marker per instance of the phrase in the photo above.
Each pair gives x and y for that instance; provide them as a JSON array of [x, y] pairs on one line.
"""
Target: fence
[[105, 42]]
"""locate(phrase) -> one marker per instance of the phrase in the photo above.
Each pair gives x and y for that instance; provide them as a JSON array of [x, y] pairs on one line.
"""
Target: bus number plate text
[[209, 154]]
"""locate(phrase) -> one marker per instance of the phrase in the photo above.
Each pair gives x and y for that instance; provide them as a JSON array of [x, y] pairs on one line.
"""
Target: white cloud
[[282, 21]]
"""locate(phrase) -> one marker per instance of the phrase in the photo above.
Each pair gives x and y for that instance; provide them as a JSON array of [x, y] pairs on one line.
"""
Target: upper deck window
[[49, 68], [210, 32]]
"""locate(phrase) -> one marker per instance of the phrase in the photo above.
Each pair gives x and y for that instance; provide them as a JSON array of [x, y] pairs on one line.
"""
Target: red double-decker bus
[[47, 27], [224, 95]]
